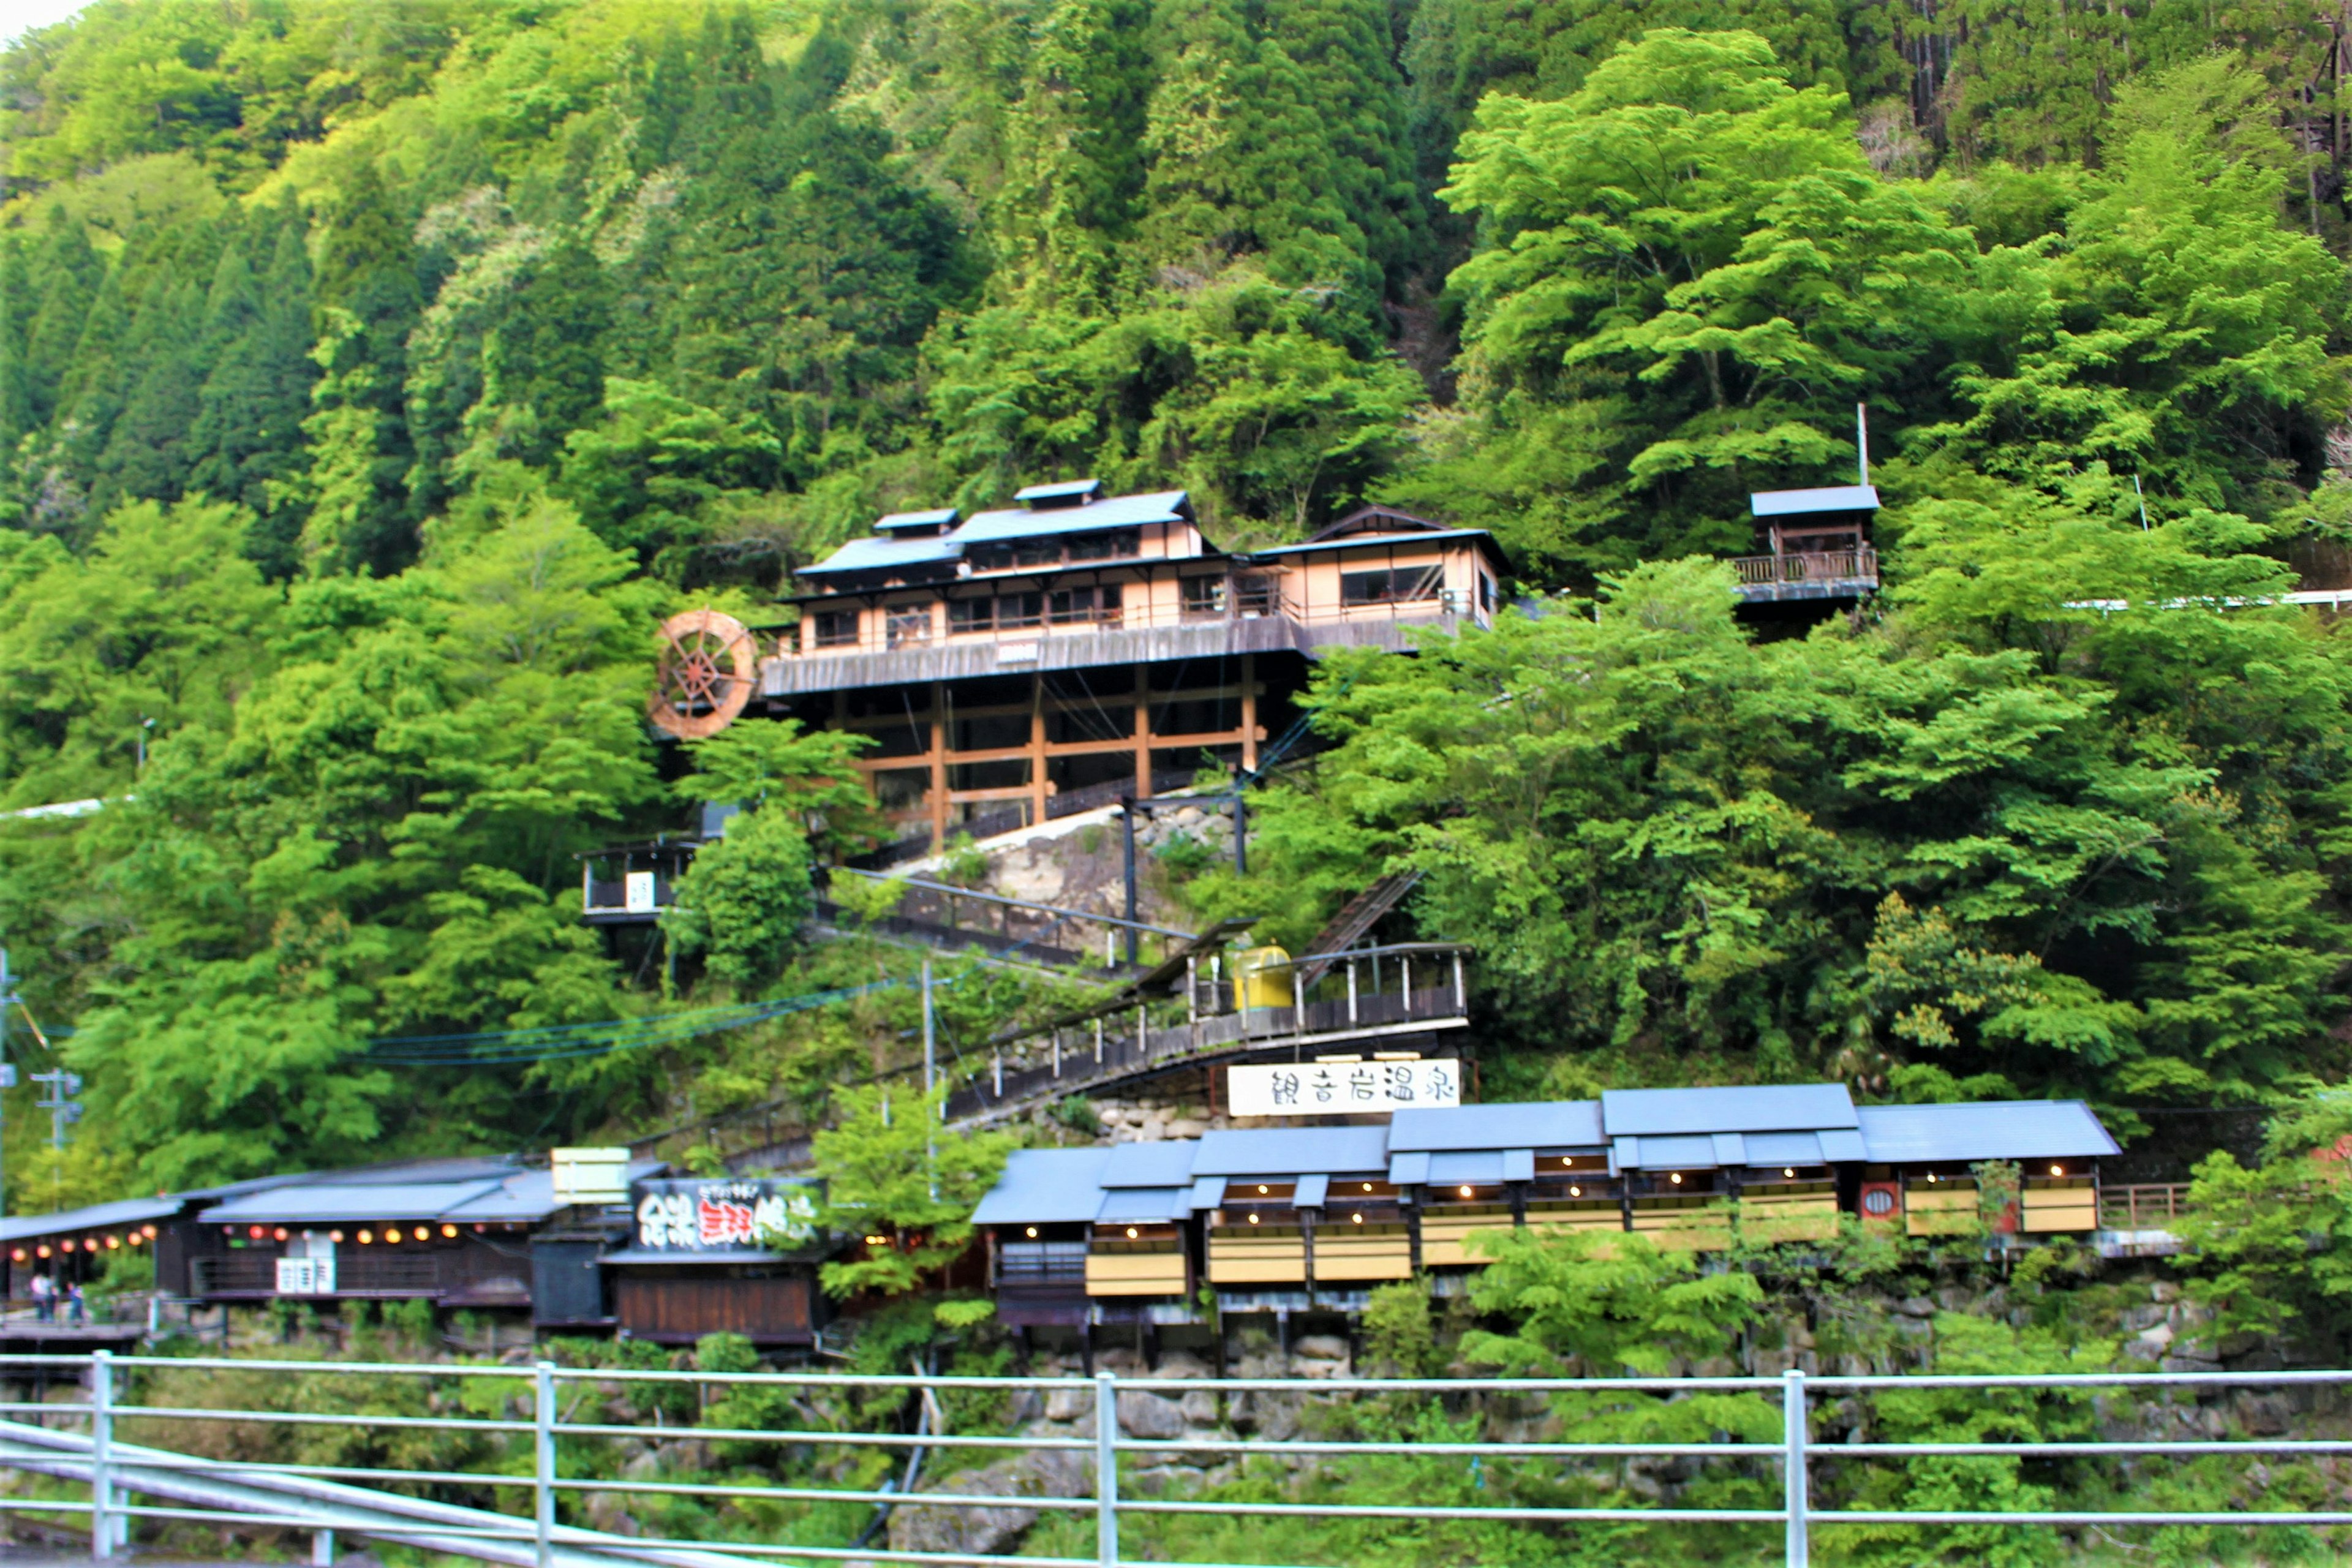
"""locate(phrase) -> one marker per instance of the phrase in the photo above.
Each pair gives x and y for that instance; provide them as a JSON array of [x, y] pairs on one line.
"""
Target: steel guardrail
[[182, 1487]]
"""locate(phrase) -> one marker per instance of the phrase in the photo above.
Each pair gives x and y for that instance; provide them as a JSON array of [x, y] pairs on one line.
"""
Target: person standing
[[45, 1299], [77, 1312]]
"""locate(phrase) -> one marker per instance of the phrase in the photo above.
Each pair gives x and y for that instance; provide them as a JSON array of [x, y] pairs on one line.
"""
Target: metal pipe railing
[[131, 1483]]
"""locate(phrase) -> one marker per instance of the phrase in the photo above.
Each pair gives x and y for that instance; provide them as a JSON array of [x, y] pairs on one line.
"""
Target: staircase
[[1352, 924]]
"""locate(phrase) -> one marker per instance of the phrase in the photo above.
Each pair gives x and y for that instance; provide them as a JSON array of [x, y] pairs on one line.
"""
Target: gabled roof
[[1761, 1108], [97, 1216], [1534, 1124], [1378, 520], [471, 1190], [1163, 1165], [1111, 511], [930, 522], [1377, 541], [1061, 490], [878, 553], [1045, 1187], [1996, 1129], [1288, 1151], [1796, 503]]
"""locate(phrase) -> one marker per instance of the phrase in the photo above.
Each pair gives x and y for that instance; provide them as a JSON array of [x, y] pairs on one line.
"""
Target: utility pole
[[1126, 820], [59, 1102], [8, 1071], [930, 1082]]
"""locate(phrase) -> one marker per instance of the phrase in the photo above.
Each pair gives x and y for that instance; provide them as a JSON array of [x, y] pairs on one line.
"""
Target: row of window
[[1244, 594], [1057, 550]]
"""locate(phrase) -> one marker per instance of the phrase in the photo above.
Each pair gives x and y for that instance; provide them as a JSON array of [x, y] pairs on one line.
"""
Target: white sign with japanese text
[[688, 1216], [1341, 1089]]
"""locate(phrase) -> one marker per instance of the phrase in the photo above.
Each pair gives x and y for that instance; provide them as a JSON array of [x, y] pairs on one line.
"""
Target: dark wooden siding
[[680, 1308], [567, 1287]]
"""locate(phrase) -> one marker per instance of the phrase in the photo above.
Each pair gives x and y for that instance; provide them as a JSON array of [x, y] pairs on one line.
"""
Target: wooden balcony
[[1811, 574], [2145, 1206]]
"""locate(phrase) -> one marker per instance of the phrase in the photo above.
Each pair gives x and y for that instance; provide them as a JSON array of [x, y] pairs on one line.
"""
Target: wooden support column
[[1037, 750], [1249, 712], [938, 761], [1142, 732]]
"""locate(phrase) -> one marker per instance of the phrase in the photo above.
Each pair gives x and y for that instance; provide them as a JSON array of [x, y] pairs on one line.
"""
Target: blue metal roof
[[1479, 1166], [1060, 489], [1155, 1205], [1685, 1152], [1287, 1151], [529, 1197], [1111, 511], [1795, 503], [1998, 1129], [1764, 1108], [97, 1216], [900, 521], [1167, 1165], [1374, 540], [1784, 1148], [1045, 1187], [878, 553], [1534, 1124]]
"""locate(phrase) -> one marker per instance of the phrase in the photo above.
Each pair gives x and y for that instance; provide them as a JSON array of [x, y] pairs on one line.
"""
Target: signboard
[[1341, 1089], [306, 1275], [591, 1175], [688, 1216], [638, 892]]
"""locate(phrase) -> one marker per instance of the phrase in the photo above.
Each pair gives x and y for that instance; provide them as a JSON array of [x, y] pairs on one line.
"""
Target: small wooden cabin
[[720, 1255]]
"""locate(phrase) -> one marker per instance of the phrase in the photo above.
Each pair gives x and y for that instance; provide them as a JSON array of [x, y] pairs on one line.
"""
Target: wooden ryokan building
[[1073, 642]]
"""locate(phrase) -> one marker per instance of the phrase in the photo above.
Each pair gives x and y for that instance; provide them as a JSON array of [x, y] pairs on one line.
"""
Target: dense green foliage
[[372, 378]]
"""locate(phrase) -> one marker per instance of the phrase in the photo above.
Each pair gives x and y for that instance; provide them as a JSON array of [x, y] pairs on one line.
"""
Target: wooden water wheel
[[708, 667]]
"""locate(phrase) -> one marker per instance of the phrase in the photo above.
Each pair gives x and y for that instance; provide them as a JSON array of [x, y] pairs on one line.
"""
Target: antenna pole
[[1861, 440], [931, 1077], [8, 1074]]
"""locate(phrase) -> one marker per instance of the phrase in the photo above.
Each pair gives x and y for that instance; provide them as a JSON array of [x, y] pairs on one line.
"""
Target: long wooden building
[[1071, 645], [1309, 1219]]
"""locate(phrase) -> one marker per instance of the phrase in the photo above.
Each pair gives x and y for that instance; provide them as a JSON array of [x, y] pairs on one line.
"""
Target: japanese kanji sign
[[1341, 1089], [690, 1216]]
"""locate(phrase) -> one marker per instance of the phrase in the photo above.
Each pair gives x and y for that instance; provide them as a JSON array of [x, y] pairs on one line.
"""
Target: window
[[1255, 594], [1113, 544], [971, 616], [909, 624], [1485, 593], [1067, 606], [1056, 549], [1204, 595], [1020, 610], [1398, 586], [837, 628]]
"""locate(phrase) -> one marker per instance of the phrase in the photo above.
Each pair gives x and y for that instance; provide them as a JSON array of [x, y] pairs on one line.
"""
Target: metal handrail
[[198, 1488]]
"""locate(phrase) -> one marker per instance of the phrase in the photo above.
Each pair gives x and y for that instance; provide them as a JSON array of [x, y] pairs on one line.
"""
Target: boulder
[[1183, 1365], [1319, 1347], [985, 1531], [1142, 1415], [1068, 1403]]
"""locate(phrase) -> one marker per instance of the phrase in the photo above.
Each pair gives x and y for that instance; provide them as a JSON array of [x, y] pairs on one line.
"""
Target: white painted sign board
[[638, 892], [306, 1275], [1341, 1089]]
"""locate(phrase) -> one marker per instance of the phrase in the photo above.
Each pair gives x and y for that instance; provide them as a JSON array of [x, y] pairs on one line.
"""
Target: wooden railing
[[2145, 1206], [1809, 566]]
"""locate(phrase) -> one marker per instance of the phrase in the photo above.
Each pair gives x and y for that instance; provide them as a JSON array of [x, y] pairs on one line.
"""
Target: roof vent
[[917, 524], [1051, 498]]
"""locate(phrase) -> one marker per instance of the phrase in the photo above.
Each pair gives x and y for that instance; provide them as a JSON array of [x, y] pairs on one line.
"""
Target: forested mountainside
[[373, 372]]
